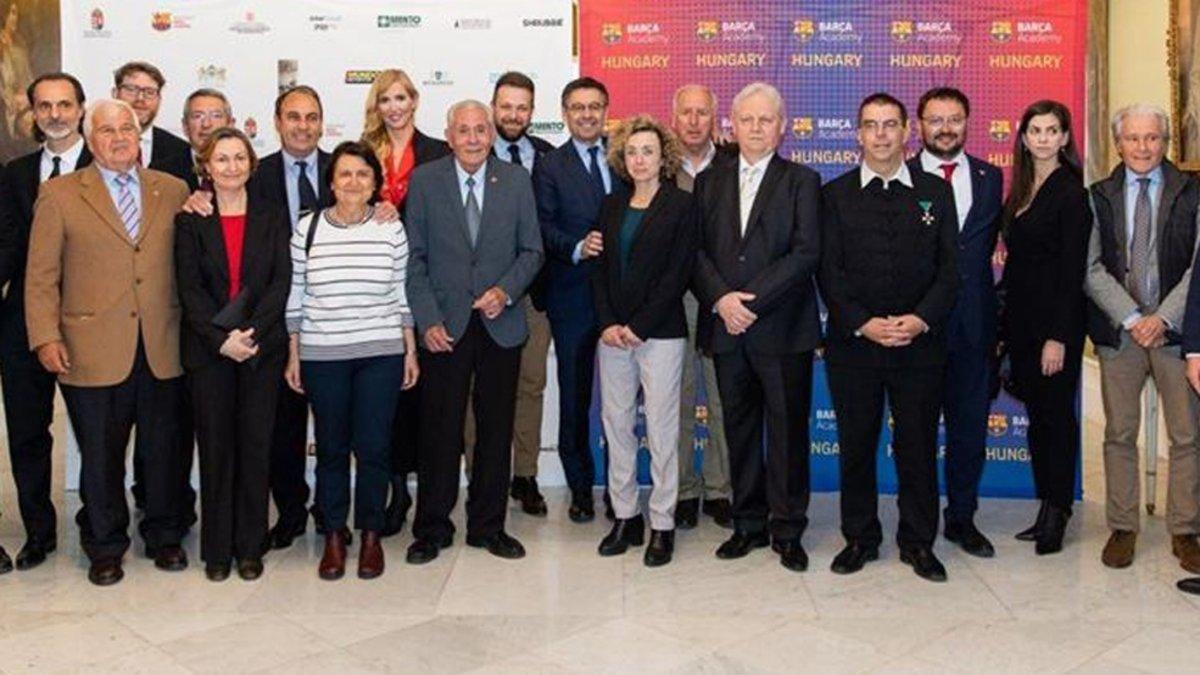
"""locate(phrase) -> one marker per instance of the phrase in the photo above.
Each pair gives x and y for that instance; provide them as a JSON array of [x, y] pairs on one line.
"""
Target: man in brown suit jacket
[[103, 315]]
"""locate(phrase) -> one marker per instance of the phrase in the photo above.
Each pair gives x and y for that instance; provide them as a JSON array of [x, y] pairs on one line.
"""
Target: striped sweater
[[347, 299]]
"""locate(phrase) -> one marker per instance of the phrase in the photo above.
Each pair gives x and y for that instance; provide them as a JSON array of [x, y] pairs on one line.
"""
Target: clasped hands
[[893, 331], [490, 304], [620, 337], [239, 345]]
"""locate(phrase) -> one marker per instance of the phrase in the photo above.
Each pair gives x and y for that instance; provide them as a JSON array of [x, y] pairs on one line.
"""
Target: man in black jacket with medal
[[888, 277]]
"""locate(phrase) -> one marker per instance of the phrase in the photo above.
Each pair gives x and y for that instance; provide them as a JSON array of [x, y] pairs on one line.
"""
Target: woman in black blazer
[[638, 284], [234, 271], [1047, 221]]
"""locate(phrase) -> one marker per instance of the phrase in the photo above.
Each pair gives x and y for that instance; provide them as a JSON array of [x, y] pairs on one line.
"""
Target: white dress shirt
[[960, 180], [70, 159], [866, 175], [147, 144], [694, 170]]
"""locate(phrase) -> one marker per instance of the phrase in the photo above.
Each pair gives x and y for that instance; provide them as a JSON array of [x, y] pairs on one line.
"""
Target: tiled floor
[[564, 609]]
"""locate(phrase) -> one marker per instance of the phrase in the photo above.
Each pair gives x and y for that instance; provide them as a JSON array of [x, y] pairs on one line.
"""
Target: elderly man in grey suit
[[474, 248], [1139, 265]]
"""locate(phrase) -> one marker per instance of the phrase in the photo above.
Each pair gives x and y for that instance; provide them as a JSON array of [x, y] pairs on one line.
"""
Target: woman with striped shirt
[[352, 350]]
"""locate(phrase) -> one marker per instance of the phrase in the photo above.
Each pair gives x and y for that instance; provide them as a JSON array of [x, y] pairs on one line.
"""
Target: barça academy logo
[[1000, 130], [804, 29], [1002, 31], [902, 31], [161, 21], [610, 33], [997, 424], [707, 31], [802, 127]]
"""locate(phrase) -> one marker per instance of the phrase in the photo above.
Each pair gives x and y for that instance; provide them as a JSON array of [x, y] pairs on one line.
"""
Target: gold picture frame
[[1183, 63]]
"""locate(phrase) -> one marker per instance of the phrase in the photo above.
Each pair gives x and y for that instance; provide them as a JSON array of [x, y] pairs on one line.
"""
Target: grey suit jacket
[[445, 274]]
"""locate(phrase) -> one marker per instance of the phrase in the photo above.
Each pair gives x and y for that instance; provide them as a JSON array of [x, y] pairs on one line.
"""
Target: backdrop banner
[[825, 56]]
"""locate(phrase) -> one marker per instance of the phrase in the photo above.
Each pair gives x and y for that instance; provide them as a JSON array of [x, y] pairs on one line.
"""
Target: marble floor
[[564, 609]]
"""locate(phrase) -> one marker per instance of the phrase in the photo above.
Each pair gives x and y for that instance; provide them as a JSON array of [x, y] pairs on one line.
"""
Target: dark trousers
[[354, 402], [405, 431], [966, 404], [1053, 425], [28, 412], [914, 396], [289, 456], [234, 407], [575, 353], [448, 379], [102, 418], [771, 392], [185, 436]]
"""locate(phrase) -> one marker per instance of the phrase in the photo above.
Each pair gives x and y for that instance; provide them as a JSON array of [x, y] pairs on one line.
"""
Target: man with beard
[[512, 108], [971, 328], [57, 102]]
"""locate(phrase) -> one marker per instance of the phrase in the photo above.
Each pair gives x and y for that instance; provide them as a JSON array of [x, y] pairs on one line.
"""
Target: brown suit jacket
[[88, 284]]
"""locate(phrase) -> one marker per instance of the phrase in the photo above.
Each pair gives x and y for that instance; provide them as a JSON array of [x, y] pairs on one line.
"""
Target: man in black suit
[[888, 277], [759, 248], [57, 101], [512, 110]]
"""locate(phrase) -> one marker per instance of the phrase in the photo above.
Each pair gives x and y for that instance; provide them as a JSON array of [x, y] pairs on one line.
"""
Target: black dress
[[1044, 300]]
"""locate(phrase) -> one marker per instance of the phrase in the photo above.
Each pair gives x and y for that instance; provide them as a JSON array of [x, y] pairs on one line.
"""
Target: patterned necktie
[[594, 169], [473, 213], [127, 205], [747, 191], [1139, 251], [304, 188], [57, 170], [948, 170]]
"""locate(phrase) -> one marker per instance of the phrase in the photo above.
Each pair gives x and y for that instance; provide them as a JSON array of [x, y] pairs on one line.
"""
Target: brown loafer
[[1118, 552], [370, 556], [1186, 548], [333, 562]]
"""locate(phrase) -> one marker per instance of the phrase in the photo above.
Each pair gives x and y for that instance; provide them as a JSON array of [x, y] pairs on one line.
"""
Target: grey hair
[[464, 105], [754, 89], [206, 92], [1139, 110], [96, 106], [712, 98]]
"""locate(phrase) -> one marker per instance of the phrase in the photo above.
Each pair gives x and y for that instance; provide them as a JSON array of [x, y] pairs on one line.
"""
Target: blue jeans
[[353, 403]]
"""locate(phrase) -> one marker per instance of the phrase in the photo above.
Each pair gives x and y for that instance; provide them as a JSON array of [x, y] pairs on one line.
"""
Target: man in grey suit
[[474, 248], [1139, 266]]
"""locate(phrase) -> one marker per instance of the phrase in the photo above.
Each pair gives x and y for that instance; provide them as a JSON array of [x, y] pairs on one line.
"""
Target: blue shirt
[[114, 188], [462, 183], [1132, 187], [291, 172], [582, 149], [524, 146]]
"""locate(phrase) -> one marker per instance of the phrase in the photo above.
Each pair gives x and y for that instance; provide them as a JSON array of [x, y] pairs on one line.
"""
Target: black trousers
[[966, 404], [406, 428], [444, 404], [185, 436], [289, 456], [1053, 424], [915, 397], [102, 418], [28, 412], [771, 392], [234, 408]]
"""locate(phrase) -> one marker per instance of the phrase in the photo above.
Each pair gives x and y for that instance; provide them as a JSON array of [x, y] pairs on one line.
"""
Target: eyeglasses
[[939, 122], [578, 108], [875, 125], [135, 92], [212, 115]]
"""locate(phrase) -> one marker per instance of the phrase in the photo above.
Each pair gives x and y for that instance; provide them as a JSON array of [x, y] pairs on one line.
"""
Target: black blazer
[[202, 270], [647, 295], [171, 154], [267, 184], [19, 186], [776, 260], [427, 149], [1047, 260]]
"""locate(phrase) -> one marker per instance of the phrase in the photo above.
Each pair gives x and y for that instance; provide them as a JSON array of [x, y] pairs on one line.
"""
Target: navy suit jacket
[[568, 206], [973, 320]]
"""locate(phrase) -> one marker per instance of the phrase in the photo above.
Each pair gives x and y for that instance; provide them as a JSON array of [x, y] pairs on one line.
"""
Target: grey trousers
[[713, 480]]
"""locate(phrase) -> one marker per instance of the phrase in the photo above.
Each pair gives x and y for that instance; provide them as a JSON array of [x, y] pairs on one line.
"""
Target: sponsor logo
[[398, 21], [211, 76], [707, 31], [473, 23], [160, 21], [549, 22], [1037, 32], [802, 127], [1000, 130], [1002, 31], [732, 60], [325, 22], [250, 126], [837, 31], [997, 424], [827, 60], [824, 128], [804, 29], [97, 19], [635, 62], [1026, 61], [361, 76], [902, 31], [610, 33], [96, 23], [249, 25], [547, 127], [438, 78], [644, 33]]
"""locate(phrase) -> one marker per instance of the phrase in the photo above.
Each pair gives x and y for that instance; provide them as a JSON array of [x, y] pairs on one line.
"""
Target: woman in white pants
[[638, 285]]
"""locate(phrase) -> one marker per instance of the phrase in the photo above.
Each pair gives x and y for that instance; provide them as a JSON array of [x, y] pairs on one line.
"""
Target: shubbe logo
[[1000, 130], [1002, 31], [610, 33], [997, 424], [902, 31], [707, 31], [804, 29], [802, 127], [550, 22]]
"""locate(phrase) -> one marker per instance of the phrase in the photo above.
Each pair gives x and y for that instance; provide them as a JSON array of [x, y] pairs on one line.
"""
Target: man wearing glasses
[[204, 111], [140, 84]]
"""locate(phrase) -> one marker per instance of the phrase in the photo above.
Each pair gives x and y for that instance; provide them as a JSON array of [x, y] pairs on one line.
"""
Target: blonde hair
[[672, 152], [374, 130]]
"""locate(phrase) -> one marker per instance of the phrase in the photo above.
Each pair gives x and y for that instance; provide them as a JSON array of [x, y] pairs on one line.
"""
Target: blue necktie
[[594, 170]]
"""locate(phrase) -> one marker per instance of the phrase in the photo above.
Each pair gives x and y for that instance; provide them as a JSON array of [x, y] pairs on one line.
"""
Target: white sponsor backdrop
[[452, 49]]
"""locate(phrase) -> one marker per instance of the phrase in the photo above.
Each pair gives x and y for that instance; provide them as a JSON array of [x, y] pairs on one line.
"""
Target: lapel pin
[[492, 179]]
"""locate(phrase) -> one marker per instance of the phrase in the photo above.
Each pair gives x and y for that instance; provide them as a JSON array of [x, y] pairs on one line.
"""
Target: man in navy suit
[[971, 328], [570, 183]]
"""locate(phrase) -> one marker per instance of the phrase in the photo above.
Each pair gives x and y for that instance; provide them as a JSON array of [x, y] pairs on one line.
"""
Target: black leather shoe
[[720, 510], [284, 533], [34, 553], [397, 508], [422, 551], [105, 572], [967, 536], [662, 546], [625, 532], [741, 543], [1189, 585], [852, 558], [217, 571], [6, 564], [1030, 533], [171, 559], [250, 569], [791, 554], [524, 489], [583, 508], [1050, 538], [500, 545], [923, 562], [686, 512]]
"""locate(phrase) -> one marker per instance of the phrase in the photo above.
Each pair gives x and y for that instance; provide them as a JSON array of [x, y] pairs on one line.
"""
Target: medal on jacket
[[926, 214]]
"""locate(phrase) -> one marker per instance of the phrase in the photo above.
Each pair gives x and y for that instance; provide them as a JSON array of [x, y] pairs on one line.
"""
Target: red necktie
[[948, 170]]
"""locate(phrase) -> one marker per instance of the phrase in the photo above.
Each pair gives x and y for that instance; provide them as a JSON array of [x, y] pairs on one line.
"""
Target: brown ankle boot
[[333, 562], [370, 556], [1185, 547]]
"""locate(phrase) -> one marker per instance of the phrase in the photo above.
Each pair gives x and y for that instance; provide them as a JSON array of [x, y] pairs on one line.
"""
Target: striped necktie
[[127, 205]]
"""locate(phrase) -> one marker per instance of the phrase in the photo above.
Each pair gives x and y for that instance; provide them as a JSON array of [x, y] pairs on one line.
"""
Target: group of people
[[406, 290]]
